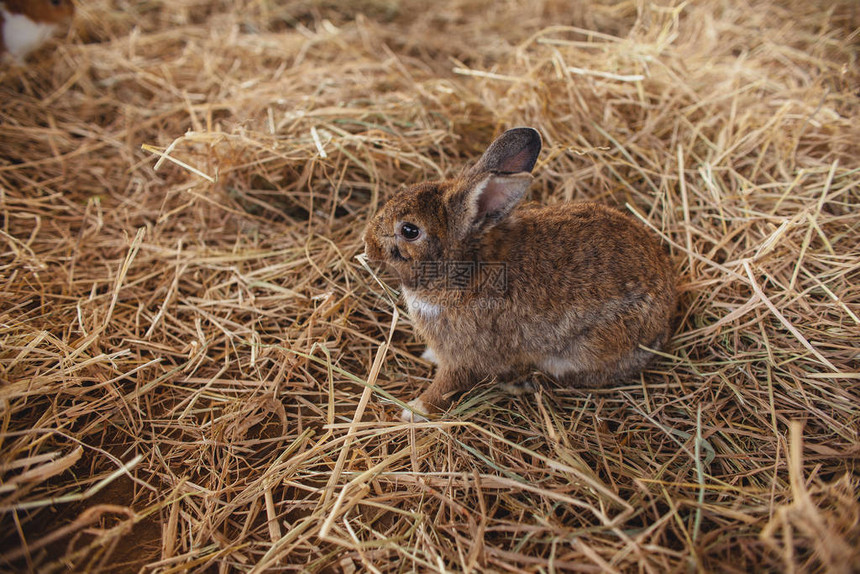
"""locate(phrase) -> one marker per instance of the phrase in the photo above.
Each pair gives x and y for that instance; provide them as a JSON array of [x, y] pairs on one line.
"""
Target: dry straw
[[196, 374]]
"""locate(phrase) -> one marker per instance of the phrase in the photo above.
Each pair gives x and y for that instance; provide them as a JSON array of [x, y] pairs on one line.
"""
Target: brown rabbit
[[27, 24], [572, 289]]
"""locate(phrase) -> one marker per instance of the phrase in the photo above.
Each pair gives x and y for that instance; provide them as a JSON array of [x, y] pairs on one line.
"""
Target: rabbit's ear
[[487, 202], [515, 151]]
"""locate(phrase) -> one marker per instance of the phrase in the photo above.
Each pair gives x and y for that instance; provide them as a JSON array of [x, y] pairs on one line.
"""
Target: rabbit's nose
[[395, 254]]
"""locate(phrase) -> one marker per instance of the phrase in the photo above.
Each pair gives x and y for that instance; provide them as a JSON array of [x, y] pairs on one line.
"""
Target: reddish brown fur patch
[[42, 10]]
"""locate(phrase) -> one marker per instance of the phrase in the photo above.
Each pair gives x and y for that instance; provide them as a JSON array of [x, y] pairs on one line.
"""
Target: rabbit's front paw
[[429, 355], [416, 413], [518, 388]]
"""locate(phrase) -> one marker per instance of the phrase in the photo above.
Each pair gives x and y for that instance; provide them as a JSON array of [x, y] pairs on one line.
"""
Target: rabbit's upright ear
[[497, 182], [515, 151]]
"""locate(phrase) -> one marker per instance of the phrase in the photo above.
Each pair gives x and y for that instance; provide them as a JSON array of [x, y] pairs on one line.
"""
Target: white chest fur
[[421, 307], [22, 35]]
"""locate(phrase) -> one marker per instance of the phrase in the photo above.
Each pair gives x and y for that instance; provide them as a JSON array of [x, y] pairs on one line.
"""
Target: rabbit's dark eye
[[56, 2], [409, 231]]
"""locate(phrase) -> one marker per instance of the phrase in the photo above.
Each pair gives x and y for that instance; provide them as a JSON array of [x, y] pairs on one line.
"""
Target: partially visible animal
[[25, 25]]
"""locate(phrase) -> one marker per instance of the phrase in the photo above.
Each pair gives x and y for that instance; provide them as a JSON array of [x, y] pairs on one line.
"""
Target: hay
[[198, 375]]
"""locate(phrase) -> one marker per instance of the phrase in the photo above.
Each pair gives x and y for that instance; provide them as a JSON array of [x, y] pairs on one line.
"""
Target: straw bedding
[[196, 374]]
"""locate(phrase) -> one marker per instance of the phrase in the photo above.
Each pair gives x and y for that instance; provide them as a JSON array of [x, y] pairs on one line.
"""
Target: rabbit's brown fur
[[585, 285]]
